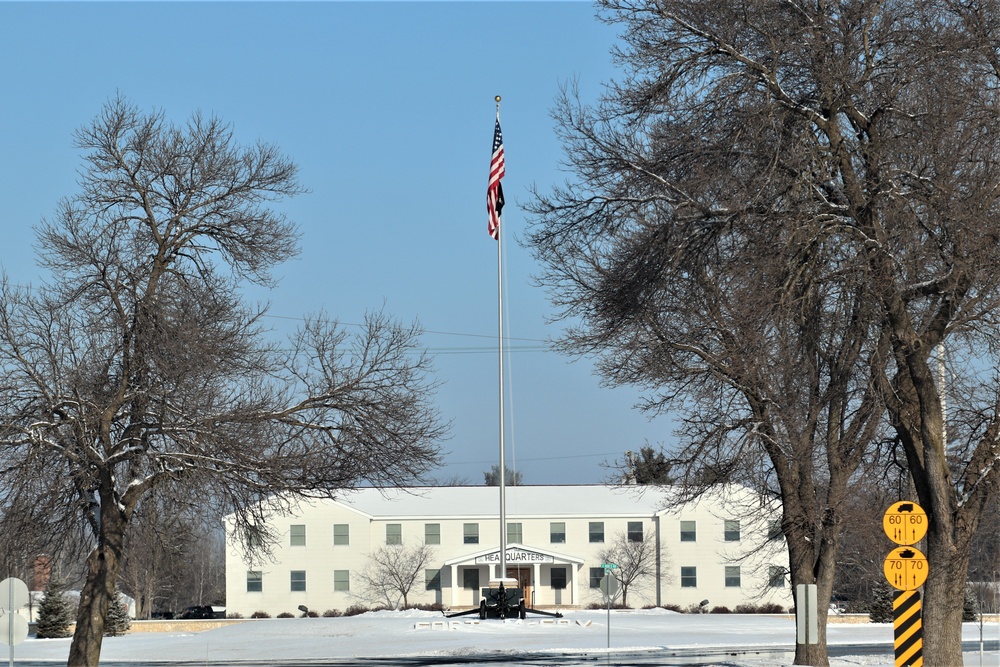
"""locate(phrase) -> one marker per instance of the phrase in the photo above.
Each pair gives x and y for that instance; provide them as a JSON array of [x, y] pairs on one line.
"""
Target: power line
[[539, 458], [426, 331], [540, 344], [491, 350]]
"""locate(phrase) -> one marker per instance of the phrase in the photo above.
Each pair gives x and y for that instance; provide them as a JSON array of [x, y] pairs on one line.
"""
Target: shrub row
[[765, 608], [604, 605], [353, 610]]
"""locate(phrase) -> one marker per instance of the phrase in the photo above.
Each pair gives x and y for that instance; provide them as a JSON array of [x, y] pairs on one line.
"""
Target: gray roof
[[522, 501]]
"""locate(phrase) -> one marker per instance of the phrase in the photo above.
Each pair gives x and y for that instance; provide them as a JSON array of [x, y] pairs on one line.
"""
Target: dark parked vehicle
[[203, 611]]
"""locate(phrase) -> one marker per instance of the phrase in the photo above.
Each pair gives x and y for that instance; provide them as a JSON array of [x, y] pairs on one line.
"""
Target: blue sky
[[388, 110]]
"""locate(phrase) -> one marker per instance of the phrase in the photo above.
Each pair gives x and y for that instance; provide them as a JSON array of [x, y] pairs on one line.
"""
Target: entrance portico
[[533, 567]]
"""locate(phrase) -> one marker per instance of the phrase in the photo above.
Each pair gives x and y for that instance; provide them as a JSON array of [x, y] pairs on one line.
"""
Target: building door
[[523, 576]]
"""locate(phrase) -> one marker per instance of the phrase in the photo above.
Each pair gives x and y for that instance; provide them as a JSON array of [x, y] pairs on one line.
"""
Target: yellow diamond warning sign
[[905, 523], [905, 568]]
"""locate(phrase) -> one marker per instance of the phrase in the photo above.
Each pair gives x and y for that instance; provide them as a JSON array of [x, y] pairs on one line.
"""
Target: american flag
[[494, 193]]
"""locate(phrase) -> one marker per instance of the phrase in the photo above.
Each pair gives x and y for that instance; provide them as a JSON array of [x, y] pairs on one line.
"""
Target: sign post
[[907, 629], [905, 568], [609, 588]]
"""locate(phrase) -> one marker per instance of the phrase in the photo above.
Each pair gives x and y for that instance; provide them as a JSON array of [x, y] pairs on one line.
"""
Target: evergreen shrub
[[880, 607], [55, 613], [117, 622]]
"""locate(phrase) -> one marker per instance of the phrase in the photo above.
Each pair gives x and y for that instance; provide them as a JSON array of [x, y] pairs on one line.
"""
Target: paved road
[[718, 657]]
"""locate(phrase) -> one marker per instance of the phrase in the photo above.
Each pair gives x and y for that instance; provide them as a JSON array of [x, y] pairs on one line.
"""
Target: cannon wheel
[[482, 609]]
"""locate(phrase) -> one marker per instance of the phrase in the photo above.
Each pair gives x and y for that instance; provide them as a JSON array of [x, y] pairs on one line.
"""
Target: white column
[[536, 576], [574, 570], [453, 570]]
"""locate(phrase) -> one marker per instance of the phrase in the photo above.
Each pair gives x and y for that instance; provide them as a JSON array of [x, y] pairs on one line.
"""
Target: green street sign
[[609, 566]]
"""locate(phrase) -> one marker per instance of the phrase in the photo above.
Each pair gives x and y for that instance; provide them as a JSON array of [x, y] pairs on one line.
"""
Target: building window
[[297, 535], [732, 575], [432, 533], [515, 533], [432, 580], [255, 581], [731, 530], [342, 580], [688, 532], [255, 538], [635, 531], [393, 533], [596, 574], [774, 531], [557, 532], [298, 580], [776, 576], [596, 531], [341, 534], [470, 535], [557, 576], [470, 577], [689, 577]]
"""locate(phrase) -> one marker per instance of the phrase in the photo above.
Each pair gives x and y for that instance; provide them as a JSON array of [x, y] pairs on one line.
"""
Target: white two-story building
[[721, 548]]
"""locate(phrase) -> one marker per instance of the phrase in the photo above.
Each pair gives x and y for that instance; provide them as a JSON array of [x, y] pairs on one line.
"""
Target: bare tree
[[636, 560], [30, 533], [703, 249], [202, 578], [158, 541], [175, 559], [137, 374], [393, 570], [863, 548], [832, 166], [984, 566], [451, 480]]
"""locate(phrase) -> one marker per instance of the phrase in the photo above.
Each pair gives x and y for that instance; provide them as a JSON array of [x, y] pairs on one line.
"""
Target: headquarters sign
[[515, 556]]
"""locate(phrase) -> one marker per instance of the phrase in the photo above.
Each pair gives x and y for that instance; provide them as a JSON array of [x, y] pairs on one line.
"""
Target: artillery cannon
[[503, 599]]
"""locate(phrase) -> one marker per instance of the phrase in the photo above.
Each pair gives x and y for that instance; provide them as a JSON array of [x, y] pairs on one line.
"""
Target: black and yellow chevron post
[[908, 629], [905, 568]]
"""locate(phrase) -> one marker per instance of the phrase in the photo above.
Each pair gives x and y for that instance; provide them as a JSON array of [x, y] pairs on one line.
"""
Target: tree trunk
[[943, 602], [804, 571], [812, 549], [103, 565], [947, 570], [920, 426]]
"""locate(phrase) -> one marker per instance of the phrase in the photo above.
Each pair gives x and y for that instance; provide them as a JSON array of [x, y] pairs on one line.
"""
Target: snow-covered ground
[[413, 633]]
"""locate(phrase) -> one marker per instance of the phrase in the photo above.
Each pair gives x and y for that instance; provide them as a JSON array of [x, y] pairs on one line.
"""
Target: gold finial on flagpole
[[497, 98]]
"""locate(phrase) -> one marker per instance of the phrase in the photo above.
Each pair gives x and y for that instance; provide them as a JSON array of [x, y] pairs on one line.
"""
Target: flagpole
[[503, 466]]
